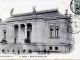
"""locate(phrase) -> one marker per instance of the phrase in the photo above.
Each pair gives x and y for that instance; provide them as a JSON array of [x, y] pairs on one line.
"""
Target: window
[[56, 48], [56, 31], [50, 48], [51, 31], [14, 40], [4, 34]]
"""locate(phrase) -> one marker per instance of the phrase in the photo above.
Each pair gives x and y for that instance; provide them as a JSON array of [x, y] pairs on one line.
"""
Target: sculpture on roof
[[34, 9], [11, 12]]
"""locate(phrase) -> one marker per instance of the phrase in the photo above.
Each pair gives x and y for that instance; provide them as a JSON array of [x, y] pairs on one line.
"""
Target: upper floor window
[[54, 31], [51, 31]]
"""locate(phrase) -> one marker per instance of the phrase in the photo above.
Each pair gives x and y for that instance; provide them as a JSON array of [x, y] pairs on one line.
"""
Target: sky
[[24, 6]]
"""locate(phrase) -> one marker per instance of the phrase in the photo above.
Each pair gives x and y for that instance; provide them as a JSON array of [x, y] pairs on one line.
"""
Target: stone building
[[44, 29]]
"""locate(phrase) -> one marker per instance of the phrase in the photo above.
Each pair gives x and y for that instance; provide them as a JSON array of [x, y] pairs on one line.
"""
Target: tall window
[[51, 31], [56, 31], [29, 30], [4, 34]]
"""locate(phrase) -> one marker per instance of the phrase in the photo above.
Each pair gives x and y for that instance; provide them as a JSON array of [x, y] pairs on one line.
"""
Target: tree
[[13, 50], [4, 41], [30, 51], [27, 40], [44, 50], [24, 50], [3, 50], [18, 52]]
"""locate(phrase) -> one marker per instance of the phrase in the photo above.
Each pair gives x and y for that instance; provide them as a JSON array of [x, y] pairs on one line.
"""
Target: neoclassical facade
[[44, 29]]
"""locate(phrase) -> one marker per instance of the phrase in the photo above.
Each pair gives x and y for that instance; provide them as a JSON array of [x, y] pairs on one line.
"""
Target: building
[[43, 29]]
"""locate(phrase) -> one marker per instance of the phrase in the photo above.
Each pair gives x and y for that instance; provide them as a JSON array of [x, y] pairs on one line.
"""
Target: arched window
[[29, 25], [29, 29]]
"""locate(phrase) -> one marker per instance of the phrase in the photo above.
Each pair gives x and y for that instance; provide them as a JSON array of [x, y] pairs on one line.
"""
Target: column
[[25, 30], [13, 33], [33, 32], [19, 33]]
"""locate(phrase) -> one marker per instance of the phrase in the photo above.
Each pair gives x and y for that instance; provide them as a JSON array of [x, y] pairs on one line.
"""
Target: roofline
[[37, 12]]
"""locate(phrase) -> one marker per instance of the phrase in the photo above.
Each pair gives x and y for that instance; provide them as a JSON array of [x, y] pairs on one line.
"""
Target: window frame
[[51, 31], [56, 48], [4, 30], [50, 48], [57, 28], [54, 33]]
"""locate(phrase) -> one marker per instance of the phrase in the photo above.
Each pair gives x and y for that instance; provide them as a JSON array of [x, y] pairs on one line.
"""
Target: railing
[[29, 51], [36, 49], [13, 51]]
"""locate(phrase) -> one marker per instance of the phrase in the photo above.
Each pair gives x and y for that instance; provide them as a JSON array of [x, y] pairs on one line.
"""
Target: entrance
[[14, 40], [29, 30], [15, 34], [28, 34]]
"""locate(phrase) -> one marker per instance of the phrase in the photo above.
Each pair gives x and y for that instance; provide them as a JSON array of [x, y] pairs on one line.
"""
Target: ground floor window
[[56, 48], [50, 48]]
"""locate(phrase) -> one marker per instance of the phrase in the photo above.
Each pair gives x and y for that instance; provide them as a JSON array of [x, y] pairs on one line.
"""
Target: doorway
[[28, 34], [29, 30]]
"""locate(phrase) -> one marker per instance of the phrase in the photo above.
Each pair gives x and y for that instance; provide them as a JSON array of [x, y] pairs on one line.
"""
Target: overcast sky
[[24, 6]]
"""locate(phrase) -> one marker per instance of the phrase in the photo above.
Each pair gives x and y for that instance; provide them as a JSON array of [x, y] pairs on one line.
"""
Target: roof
[[51, 14], [37, 12]]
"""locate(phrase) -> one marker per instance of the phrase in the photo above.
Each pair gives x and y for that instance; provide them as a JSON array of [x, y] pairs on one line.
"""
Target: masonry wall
[[40, 32], [9, 33], [1, 32], [62, 32]]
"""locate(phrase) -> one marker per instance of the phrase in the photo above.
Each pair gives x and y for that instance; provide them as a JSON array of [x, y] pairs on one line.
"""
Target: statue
[[34, 10], [11, 12]]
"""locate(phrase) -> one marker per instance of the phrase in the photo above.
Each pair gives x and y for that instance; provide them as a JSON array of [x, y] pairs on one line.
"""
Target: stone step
[[14, 47]]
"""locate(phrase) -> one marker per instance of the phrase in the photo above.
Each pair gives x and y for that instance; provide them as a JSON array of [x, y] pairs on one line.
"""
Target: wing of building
[[36, 30]]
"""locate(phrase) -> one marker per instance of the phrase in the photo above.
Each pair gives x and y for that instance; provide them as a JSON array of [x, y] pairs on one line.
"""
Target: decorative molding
[[37, 12]]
